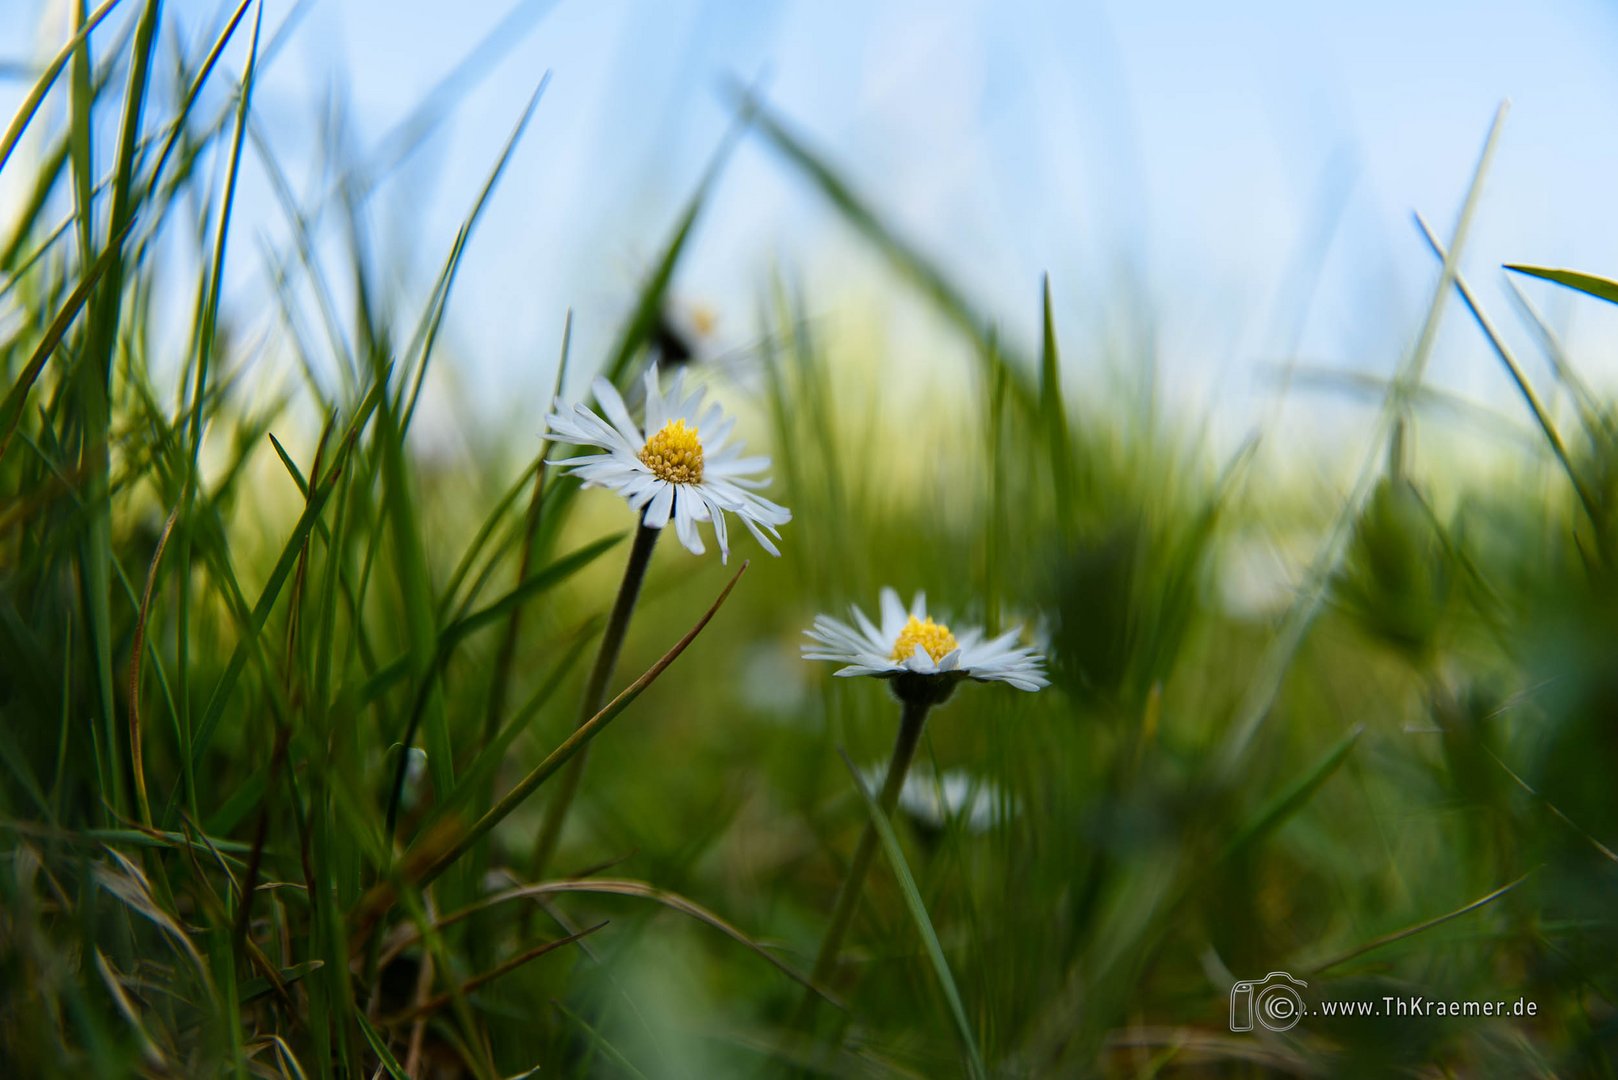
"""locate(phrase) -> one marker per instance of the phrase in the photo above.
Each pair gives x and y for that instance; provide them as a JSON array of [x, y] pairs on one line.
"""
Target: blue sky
[[1196, 167]]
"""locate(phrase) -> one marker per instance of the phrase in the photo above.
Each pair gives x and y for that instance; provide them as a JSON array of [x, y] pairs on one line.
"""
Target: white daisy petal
[[893, 614], [661, 505], [872, 634], [734, 466], [720, 529], [612, 404], [656, 414], [685, 523], [716, 435]]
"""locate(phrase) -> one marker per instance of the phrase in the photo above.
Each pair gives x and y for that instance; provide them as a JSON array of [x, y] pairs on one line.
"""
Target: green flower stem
[[914, 716], [595, 691]]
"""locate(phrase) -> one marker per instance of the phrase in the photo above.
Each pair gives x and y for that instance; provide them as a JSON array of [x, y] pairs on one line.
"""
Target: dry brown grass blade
[[115, 987], [409, 935], [127, 882], [380, 898], [433, 1004]]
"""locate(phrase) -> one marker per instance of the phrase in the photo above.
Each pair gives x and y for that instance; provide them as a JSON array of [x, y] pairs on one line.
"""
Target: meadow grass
[[232, 621]]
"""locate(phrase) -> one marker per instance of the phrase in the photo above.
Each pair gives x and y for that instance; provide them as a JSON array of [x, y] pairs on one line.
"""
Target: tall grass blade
[[924, 924]]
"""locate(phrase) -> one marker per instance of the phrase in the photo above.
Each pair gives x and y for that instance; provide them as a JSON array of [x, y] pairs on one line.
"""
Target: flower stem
[[914, 715], [595, 690]]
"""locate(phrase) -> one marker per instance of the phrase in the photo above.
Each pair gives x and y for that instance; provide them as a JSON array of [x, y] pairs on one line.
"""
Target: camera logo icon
[[1273, 1001]]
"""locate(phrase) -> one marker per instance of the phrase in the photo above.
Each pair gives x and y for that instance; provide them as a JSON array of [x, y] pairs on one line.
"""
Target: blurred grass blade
[[1411, 931], [11, 410], [433, 1004], [1412, 373], [618, 887], [1053, 409], [1260, 696], [451, 635], [599, 1041], [115, 988], [649, 305], [1287, 803], [924, 924], [380, 1046], [47, 79], [483, 768], [1587, 498], [478, 63], [537, 583], [259, 986], [1584, 398], [920, 270]]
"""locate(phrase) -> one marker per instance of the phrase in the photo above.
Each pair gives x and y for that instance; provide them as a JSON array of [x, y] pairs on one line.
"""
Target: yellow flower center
[[674, 454], [704, 320], [931, 636]]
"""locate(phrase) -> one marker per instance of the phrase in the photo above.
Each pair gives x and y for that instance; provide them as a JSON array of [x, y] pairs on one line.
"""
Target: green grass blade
[[209, 321], [433, 318], [924, 923], [1287, 802], [47, 79], [380, 1047], [11, 410], [1599, 287], [599, 1041], [290, 553], [1261, 692], [1053, 410], [1587, 498], [532, 586]]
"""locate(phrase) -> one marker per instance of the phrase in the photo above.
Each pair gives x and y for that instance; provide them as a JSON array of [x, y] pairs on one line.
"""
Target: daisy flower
[[912, 643], [684, 469], [923, 661]]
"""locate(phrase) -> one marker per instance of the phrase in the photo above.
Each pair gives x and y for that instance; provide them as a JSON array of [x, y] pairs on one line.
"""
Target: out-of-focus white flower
[[937, 800]]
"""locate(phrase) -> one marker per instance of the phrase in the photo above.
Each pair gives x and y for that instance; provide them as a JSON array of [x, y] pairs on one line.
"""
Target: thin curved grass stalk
[[437, 1002], [1426, 924], [595, 690], [1587, 498], [609, 887], [427, 866]]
